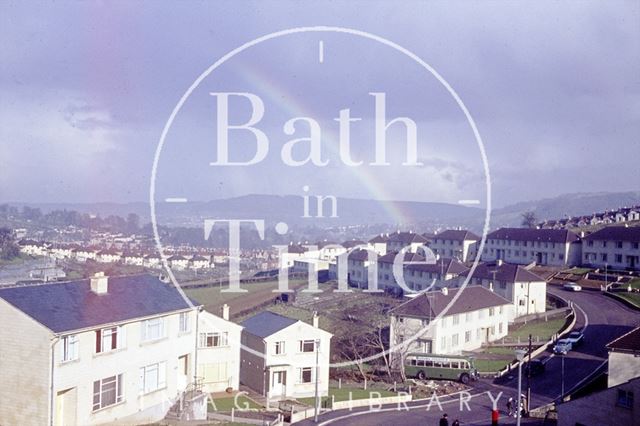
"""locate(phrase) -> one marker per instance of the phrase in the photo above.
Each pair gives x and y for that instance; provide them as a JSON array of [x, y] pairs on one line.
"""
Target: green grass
[[540, 328], [577, 271], [633, 298], [500, 350], [633, 283], [226, 404], [343, 395], [492, 365]]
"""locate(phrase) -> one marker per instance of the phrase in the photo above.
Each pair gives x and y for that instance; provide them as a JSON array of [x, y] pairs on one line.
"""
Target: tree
[[8, 248], [529, 219]]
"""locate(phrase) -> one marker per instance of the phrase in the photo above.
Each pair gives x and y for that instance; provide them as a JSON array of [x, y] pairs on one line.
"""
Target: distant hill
[[565, 205]]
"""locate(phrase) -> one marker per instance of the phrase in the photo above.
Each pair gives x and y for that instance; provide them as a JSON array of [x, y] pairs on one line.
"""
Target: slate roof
[[457, 235], [390, 257], [506, 272], [407, 238], [63, 307], [431, 304], [616, 233], [629, 342], [379, 239], [449, 266], [353, 243], [266, 323], [529, 234]]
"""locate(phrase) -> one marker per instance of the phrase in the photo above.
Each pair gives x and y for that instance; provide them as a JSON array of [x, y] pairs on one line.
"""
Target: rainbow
[[269, 88]]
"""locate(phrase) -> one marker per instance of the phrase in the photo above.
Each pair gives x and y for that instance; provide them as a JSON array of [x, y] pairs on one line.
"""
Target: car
[[562, 346], [576, 338], [536, 366], [572, 287]]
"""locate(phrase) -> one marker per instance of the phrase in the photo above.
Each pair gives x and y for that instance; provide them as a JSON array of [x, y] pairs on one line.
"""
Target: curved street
[[601, 318]]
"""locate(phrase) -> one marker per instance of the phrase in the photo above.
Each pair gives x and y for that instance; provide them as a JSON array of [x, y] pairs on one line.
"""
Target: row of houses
[[621, 215], [84, 254], [126, 350]]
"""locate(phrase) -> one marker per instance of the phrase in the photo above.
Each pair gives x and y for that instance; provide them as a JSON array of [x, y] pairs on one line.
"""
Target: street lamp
[[519, 356], [317, 399], [562, 374]]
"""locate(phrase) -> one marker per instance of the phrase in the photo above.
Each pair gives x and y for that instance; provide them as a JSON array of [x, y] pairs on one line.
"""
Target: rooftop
[[63, 307], [433, 303], [267, 323], [505, 272], [616, 233], [530, 234], [629, 342], [457, 235]]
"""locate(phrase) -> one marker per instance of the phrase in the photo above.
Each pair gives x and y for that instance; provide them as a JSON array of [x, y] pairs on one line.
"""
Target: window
[[184, 322], [503, 285], [454, 340], [456, 319], [306, 375], [109, 339], [619, 244], [604, 257], [69, 348], [279, 348], [624, 399], [153, 377], [500, 328], [443, 342], [636, 246], [107, 392], [468, 316], [467, 336], [492, 311], [590, 243], [307, 345], [213, 340], [152, 329], [618, 258]]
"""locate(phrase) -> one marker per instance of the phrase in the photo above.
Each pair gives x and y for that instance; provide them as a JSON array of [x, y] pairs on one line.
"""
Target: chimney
[[445, 291], [99, 283], [225, 312], [315, 319], [491, 286], [499, 262]]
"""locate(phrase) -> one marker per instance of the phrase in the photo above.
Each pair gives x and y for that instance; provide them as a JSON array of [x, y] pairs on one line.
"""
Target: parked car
[[537, 365], [562, 346], [572, 287], [575, 337]]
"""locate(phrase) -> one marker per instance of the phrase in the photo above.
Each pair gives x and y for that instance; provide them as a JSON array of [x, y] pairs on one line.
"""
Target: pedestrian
[[456, 422], [509, 407], [444, 421]]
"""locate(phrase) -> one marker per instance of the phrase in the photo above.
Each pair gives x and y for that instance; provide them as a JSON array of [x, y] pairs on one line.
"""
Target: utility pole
[[529, 376], [317, 399]]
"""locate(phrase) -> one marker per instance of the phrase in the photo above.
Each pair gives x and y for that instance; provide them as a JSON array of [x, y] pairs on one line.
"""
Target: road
[[603, 319]]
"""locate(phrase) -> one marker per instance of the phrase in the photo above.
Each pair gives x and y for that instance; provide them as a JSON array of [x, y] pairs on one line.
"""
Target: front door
[[183, 372], [278, 383], [66, 401]]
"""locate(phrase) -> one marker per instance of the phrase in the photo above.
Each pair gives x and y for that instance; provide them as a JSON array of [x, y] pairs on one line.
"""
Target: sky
[[86, 89]]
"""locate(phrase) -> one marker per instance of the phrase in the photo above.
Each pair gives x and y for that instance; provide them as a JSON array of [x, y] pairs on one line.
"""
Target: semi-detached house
[[106, 350]]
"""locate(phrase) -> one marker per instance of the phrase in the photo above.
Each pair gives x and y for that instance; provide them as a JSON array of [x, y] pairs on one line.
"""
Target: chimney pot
[[315, 320], [445, 291], [99, 283], [225, 312]]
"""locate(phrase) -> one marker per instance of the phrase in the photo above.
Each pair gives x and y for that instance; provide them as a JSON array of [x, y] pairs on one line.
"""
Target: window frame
[[118, 389], [66, 354]]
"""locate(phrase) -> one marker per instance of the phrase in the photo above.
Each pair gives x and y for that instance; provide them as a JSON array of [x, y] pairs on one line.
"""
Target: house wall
[[456, 249], [525, 252], [292, 360], [622, 367], [214, 361], [601, 408], [136, 407], [25, 364], [597, 253], [527, 297], [252, 366], [482, 327]]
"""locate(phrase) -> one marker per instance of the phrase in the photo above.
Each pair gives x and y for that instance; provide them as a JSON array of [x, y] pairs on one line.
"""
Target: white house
[[108, 256], [282, 363], [617, 247], [456, 244], [82, 254], [32, 248], [379, 243], [624, 358], [116, 350], [526, 291], [133, 259], [199, 262], [556, 247], [152, 261], [436, 324], [218, 351], [178, 262], [399, 240], [290, 254]]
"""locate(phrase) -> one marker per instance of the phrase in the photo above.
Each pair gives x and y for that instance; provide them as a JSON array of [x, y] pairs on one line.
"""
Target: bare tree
[[529, 219]]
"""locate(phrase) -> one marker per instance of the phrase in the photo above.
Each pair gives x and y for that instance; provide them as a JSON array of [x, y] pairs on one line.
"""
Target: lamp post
[[562, 374], [317, 399], [519, 356]]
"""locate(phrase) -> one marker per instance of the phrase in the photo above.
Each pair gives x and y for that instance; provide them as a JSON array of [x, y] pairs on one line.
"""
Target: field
[[343, 395], [257, 294]]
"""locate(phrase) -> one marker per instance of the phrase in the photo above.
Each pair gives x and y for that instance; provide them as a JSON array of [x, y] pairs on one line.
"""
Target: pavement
[[601, 318]]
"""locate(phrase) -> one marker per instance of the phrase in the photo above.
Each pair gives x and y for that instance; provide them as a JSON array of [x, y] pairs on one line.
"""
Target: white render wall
[[622, 367], [525, 252], [225, 357], [599, 253], [135, 408], [527, 297], [482, 328], [455, 249]]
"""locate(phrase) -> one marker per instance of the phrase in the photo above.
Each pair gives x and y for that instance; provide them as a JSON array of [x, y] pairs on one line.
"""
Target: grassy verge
[[577, 271], [633, 298], [538, 328], [343, 395], [226, 404], [492, 365]]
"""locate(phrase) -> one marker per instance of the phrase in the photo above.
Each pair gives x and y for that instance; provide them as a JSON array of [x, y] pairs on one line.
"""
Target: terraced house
[[107, 350], [617, 247], [455, 243], [556, 247]]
